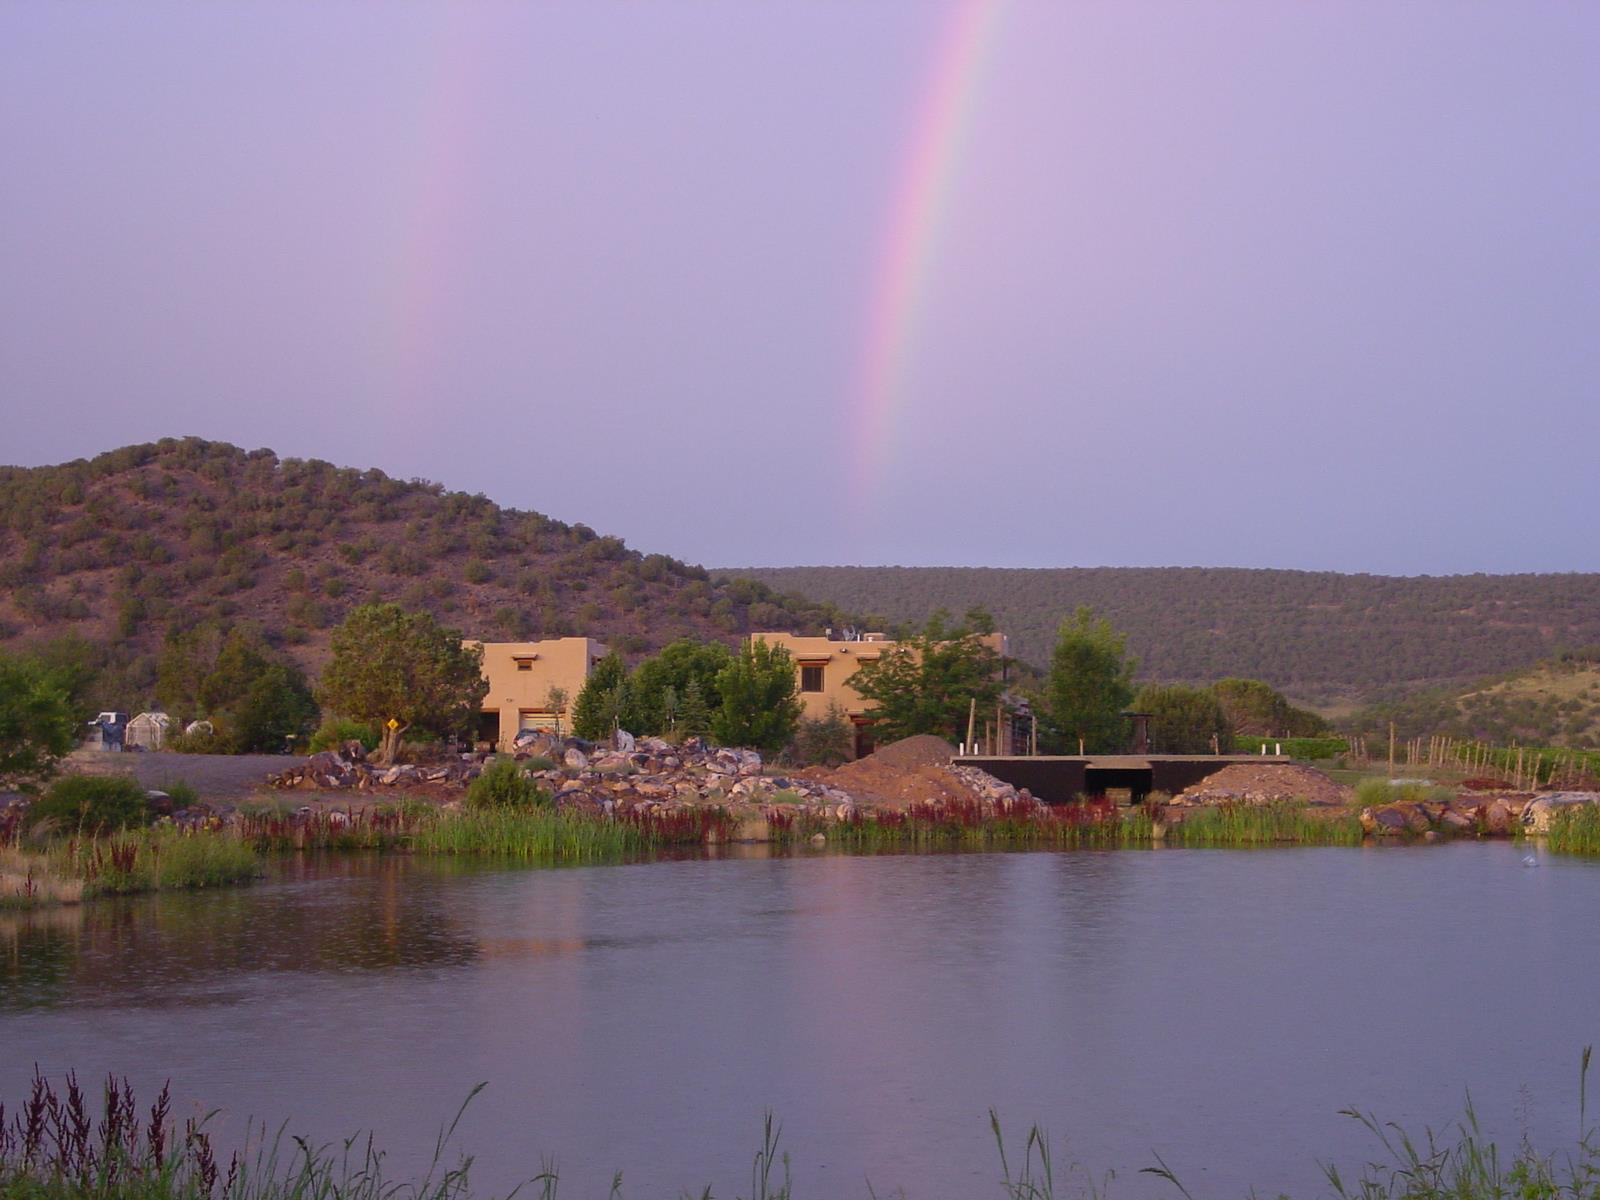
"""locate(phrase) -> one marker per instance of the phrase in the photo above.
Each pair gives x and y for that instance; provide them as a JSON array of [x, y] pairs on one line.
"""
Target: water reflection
[[1214, 1007], [319, 914]]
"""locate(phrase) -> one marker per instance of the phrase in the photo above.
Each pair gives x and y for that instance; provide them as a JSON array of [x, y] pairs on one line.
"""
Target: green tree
[[824, 741], [277, 706], [38, 726], [661, 682], [927, 683], [1184, 720], [254, 700], [390, 665], [693, 715], [1089, 685], [1254, 707], [760, 698], [604, 700]]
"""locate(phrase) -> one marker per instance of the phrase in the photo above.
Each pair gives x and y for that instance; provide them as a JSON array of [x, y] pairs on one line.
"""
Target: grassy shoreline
[[53, 1146], [164, 857]]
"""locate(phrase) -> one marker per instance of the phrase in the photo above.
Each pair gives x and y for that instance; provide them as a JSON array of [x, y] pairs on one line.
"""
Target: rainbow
[[920, 205]]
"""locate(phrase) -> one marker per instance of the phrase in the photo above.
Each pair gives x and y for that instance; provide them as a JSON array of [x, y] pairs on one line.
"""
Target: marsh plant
[[165, 858], [1575, 830], [505, 785], [55, 1148]]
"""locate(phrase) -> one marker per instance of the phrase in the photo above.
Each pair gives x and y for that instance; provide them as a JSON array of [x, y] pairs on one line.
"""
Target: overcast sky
[[1271, 284]]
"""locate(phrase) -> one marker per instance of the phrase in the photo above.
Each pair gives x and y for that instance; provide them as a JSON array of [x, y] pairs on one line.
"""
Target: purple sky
[[1270, 284]]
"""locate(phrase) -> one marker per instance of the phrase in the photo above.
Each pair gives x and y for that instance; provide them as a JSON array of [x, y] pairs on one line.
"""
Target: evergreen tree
[[390, 665], [693, 717], [604, 700]]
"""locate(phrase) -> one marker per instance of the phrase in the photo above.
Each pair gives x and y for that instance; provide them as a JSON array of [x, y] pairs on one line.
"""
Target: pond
[[1214, 1007]]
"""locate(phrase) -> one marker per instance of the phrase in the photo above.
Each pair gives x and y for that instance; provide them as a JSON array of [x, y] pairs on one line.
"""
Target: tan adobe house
[[825, 665], [521, 677]]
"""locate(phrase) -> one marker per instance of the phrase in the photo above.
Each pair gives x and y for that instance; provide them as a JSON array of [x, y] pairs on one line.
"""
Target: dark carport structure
[[1061, 779]]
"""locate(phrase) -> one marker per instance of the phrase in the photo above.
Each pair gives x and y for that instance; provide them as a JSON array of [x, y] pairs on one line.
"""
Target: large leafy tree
[[760, 698], [1089, 685], [927, 683], [1184, 720], [1254, 707], [38, 725], [683, 674], [398, 669]]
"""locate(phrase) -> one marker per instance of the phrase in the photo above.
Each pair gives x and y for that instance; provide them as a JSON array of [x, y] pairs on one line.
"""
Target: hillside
[[1552, 703], [1323, 638], [148, 539]]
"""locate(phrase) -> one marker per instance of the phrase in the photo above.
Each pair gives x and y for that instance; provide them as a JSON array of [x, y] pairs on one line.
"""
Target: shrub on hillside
[[503, 784], [90, 804]]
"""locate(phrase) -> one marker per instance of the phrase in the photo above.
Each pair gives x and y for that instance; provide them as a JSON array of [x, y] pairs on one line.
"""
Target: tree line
[[397, 672]]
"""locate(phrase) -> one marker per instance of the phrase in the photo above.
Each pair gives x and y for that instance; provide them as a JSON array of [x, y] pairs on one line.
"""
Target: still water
[[1216, 1008]]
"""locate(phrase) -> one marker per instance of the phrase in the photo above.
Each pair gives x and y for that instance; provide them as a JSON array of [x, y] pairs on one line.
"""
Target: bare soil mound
[[879, 785], [922, 750], [1262, 783], [909, 771]]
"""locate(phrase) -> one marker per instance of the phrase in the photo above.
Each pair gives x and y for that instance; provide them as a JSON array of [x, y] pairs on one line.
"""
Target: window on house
[[524, 664], [811, 678]]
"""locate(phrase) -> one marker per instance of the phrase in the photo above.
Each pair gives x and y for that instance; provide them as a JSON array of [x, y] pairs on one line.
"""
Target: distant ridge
[[138, 542], [1323, 637]]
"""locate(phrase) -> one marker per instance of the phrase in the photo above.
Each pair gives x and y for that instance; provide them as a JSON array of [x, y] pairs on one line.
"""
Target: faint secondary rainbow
[[921, 202]]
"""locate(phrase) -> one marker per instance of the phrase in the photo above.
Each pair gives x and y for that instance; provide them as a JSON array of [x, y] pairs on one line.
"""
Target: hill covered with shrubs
[[144, 543], [1323, 638]]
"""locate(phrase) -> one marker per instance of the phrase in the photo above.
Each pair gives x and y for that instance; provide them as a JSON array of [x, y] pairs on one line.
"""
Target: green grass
[[1376, 792], [1575, 830], [529, 836], [1278, 823], [967, 825], [1306, 748], [144, 860]]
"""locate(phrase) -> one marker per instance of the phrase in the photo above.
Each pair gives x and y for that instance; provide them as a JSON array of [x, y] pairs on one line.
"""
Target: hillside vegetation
[[1323, 638], [1553, 703], [151, 540]]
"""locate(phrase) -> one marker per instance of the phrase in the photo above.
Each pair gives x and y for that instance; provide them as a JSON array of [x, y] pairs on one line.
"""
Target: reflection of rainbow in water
[[921, 200]]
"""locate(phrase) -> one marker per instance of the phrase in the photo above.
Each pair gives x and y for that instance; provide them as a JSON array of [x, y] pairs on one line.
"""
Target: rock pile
[[649, 773], [1264, 783]]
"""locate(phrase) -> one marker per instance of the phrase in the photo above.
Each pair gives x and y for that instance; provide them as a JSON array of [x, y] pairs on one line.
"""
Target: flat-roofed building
[[824, 667], [532, 685]]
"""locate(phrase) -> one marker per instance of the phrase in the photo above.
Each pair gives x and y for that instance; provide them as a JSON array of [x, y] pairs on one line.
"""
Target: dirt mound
[[1261, 783], [879, 785], [922, 750]]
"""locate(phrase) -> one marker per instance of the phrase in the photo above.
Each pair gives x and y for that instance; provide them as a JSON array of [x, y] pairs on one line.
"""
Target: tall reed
[[1279, 822], [969, 824], [1575, 829], [143, 860]]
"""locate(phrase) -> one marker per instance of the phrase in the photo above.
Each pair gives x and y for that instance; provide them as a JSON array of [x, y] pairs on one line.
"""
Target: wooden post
[[972, 719], [1002, 733], [1033, 740], [1391, 749]]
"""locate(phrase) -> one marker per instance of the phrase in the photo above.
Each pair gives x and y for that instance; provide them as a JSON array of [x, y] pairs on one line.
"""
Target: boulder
[[575, 759], [1496, 818], [1536, 816]]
